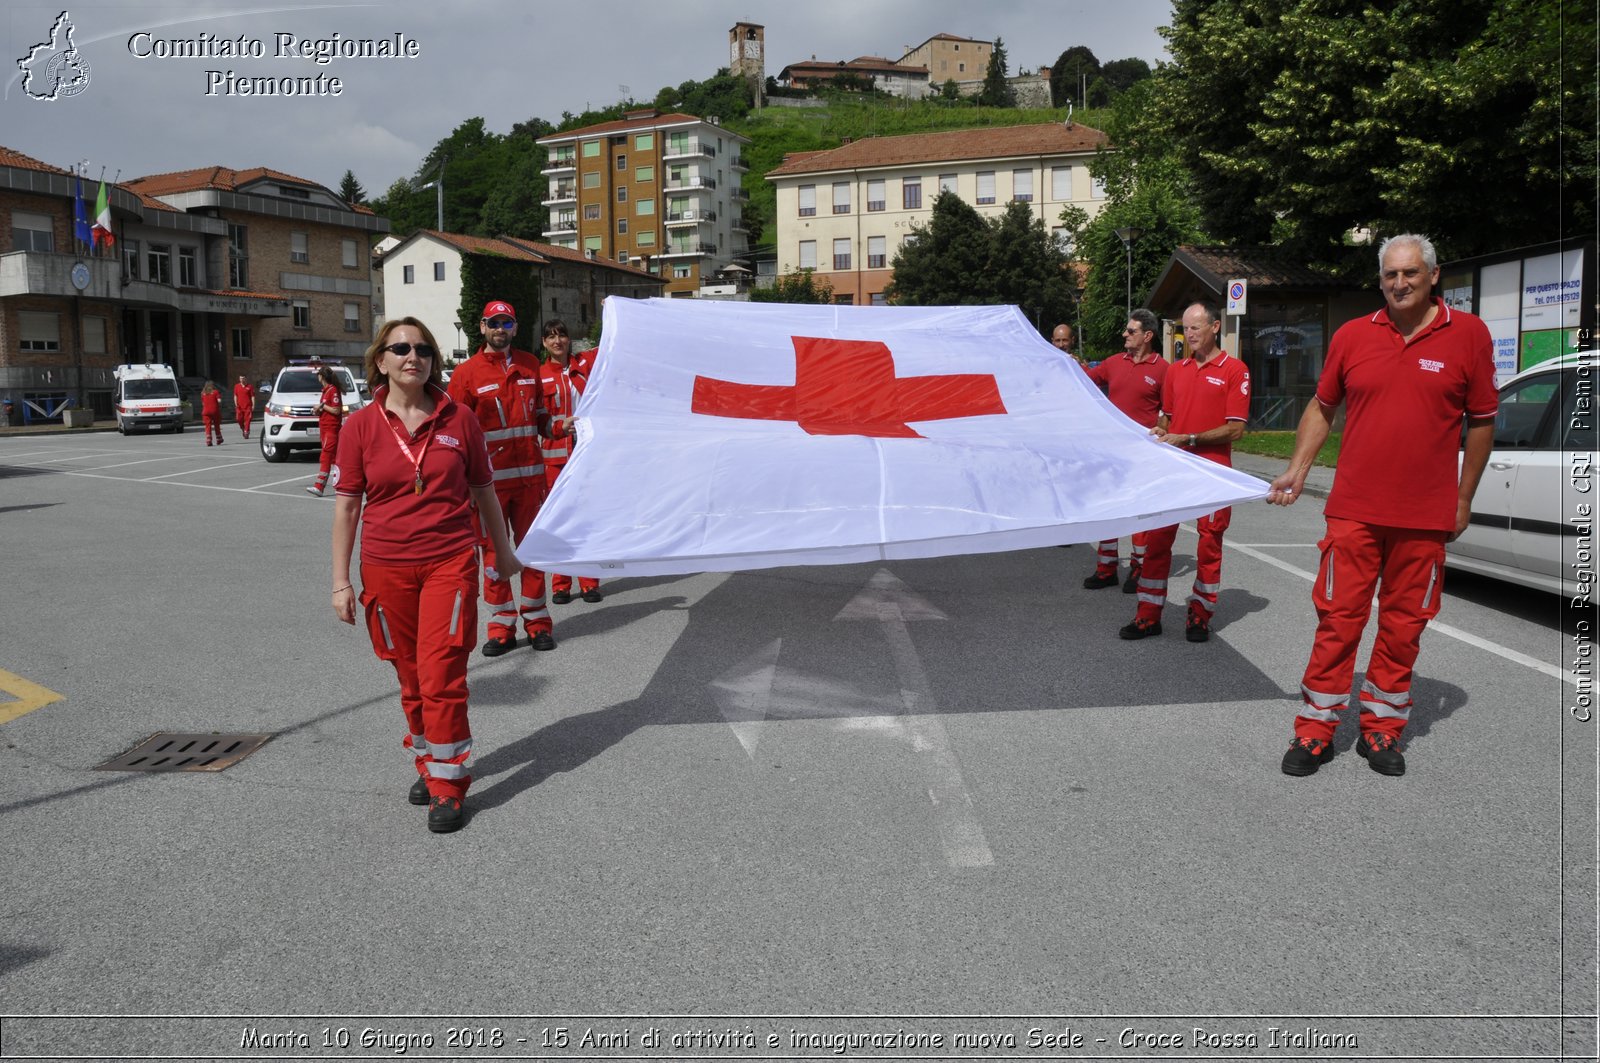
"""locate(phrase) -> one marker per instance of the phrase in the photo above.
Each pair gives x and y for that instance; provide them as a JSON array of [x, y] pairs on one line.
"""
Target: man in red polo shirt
[[500, 386], [1132, 379], [1205, 401], [1410, 375]]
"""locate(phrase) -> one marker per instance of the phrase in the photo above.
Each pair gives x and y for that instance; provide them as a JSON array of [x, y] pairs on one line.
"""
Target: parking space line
[[204, 468], [1433, 625], [166, 483], [30, 696], [141, 461], [280, 483]]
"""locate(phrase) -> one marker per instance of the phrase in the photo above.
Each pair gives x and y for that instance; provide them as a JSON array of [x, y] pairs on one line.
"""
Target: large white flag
[[722, 436]]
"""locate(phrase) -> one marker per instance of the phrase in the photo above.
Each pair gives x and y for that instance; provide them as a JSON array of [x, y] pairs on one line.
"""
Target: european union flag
[[81, 233]]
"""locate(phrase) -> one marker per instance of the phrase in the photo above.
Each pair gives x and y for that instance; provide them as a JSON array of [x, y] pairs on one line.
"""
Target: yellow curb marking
[[29, 696]]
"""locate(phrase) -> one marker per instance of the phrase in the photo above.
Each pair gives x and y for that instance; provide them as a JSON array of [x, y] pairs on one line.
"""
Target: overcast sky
[[506, 60]]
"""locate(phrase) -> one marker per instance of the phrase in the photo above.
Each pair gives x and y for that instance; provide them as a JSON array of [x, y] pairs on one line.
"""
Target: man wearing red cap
[[501, 387]]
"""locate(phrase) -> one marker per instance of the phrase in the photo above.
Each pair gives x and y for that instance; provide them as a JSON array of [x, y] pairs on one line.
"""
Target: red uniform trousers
[[212, 423], [1105, 560], [423, 619], [520, 500], [558, 582], [242, 414], [1207, 562], [330, 448], [1407, 565]]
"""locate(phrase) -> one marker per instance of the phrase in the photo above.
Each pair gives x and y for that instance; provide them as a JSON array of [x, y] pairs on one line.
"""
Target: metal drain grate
[[166, 751]]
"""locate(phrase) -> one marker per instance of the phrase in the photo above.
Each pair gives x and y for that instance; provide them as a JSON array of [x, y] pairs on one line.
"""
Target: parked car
[[290, 420], [1533, 516]]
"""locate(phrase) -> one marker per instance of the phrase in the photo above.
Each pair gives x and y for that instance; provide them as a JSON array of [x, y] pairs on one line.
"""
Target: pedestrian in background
[[244, 405], [211, 412], [411, 466], [330, 414], [1411, 376]]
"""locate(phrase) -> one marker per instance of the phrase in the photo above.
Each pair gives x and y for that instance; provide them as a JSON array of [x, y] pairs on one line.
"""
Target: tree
[[1029, 269], [997, 91], [350, 189], [943, 262], [800, 286], [950, 90], [1070, 74], [1473, 122], [488, 276]]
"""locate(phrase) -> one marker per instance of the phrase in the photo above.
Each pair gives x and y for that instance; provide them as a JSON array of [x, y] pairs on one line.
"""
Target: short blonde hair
[[375, 379]]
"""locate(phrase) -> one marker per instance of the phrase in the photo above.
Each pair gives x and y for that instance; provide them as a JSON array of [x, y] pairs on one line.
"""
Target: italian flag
[[102, 219]]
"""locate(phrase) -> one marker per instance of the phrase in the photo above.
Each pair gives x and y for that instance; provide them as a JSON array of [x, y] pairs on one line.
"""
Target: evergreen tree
[[943, 263], [801, 286], [350, 189], [997, 91], [1028, 268], [1073, 68]]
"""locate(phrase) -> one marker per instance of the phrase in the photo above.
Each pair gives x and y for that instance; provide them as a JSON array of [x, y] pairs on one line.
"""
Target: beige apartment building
[[845, 212], [660, 192], [950, 58]]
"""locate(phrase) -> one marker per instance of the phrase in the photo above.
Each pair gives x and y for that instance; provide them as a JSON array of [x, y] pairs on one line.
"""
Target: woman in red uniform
[[419, 461], [330, 413], [211, 412]]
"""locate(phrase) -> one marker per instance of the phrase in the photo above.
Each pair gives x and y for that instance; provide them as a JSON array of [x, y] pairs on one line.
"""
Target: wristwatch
[[1191, 439]]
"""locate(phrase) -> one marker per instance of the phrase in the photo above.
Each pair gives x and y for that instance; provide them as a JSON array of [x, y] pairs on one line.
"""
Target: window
[[622, 162], [677, 143], [985, 187], [347, 253], [947, 183], [622, 195], [408, 274], [680, 272], [1522, 410], [159, 261], [622, 225], [352, 317], [438, 271], [1060, 182], [94, 335], [130, 259], [39, 332], [238, 256], [645, 141], [1062, 238], [875, 195], [622, 256], [911, 193], [591, 212], [877, 256], [808, 200], [302, 313], [878, 299], [643, 207], [188, 274], [961, 67], [644, 238], [591, 244], [841, 253], [841, 197], [1022, 185], [844, 300], [645, 173], [32, 232], [1097, 188], [591, 180], [591, 150], [298, 248], [241, 343], [808, 254]]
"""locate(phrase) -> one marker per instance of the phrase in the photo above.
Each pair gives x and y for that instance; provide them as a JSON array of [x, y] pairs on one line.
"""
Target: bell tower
[[747, 57]]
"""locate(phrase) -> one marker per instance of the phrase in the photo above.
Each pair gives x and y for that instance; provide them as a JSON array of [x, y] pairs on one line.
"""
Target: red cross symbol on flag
[[849, 387]]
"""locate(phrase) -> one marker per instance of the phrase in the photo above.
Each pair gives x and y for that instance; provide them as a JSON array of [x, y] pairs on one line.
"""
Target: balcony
[[691, 217], [739, 194], [561, 163], [692, 149], [738, 226], [48, 273], [690, 250], [692, 184], [563, 225], [561, 194], [737, 162]]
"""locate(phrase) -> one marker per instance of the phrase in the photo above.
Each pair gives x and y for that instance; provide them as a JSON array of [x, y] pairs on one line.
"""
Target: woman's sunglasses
[[400, 350]]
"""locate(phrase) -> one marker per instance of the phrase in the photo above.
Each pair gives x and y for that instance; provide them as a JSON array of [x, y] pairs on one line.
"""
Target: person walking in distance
[[564, 377], [211, 412], [1133, 381], [1205, 402], [244, 405], [410, 467], [501, 387], [1410, 376], [330, 414]]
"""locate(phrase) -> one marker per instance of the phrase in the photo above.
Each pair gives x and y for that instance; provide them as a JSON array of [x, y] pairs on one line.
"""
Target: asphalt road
[[935, 797]]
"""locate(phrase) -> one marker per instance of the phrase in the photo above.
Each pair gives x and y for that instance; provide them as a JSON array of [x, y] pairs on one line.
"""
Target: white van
[[146, 396]]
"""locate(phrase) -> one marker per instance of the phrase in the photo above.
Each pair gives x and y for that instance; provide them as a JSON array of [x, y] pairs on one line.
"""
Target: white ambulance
[[147, 397]]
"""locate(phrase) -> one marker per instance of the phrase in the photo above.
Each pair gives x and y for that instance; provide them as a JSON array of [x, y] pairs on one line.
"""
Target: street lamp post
[[1128, 235]]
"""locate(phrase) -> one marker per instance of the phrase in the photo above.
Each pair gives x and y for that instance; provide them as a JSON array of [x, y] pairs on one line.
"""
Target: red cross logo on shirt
[[849, 388]]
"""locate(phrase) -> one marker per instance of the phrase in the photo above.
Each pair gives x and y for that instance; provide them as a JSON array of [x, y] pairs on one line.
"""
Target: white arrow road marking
[[890, 602], [744, 694]]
